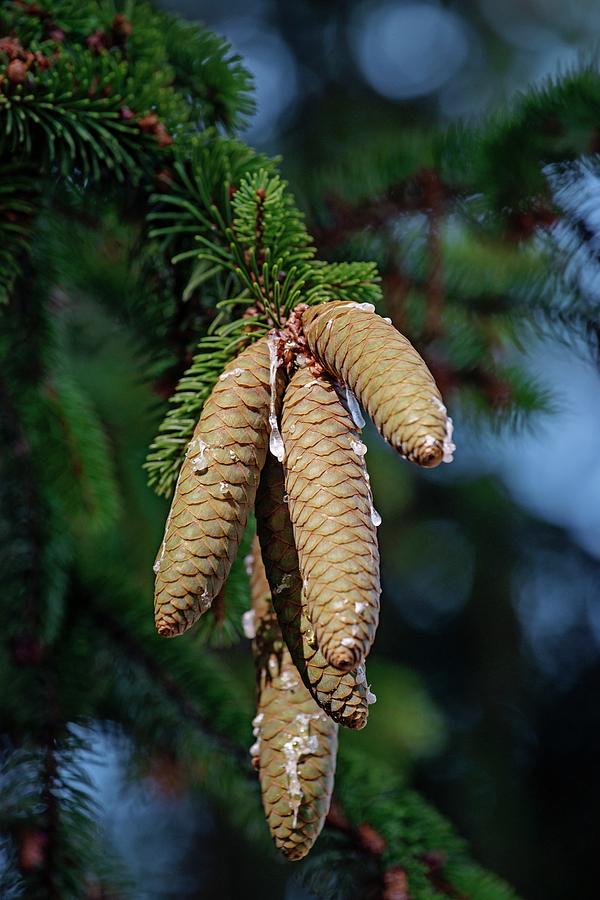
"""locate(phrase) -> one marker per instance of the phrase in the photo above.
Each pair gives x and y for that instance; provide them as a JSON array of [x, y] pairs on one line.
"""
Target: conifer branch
[[135, 651]]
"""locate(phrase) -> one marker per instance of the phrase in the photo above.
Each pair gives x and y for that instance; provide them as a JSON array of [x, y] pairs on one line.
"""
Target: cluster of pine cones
[[314, 566]]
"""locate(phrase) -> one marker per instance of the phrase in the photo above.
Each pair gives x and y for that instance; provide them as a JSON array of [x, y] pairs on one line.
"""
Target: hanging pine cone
[[334, 521], [390, 379], [215, 491], [296, 743], [343, 695], [316, 607]]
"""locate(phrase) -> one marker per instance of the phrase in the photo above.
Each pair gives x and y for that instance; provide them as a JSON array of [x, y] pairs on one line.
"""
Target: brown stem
[[395, 289], [367, 840], [49, 788], [433, 197]]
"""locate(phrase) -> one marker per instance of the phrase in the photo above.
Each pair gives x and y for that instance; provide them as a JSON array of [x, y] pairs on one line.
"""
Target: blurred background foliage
[[406, 141]]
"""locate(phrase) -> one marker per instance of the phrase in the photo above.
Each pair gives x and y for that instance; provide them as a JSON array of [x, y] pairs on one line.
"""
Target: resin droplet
[[234, 373], [199, 462], [359, 448], [249, 624], [288, 682], [366, 307], [375, 517], [449, 445], [299, 745], [354, 409], [255, 748], [275, 440]]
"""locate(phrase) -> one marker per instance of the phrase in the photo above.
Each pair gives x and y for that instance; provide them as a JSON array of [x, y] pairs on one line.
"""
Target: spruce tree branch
[[137, 653], [365, 839]]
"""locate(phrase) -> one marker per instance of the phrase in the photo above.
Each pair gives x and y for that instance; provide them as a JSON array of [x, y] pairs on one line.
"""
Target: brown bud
[[32, 849], [16, 71], [56, 34], [370, 839], [126, 113], [395, 884], [122, 26], [163, 181], [11, 47], [97, 41], [163, 137], [42, 62], [148, 123]]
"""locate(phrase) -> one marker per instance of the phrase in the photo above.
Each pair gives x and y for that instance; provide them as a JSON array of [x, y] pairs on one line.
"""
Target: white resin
[[298, 745], [354, 409], [449, 445], [361, 678], [288, 682], [199, 462], [256, 723], [366, 307], [249, 624], [284, 584], [275, 440], [358, 447], [375, 517], [234, 373]]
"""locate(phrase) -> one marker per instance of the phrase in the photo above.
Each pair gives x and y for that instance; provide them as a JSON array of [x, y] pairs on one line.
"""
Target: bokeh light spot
[[409, 50]]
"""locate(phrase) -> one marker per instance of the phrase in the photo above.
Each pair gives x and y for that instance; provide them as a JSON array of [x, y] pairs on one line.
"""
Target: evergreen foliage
[[118, 154]]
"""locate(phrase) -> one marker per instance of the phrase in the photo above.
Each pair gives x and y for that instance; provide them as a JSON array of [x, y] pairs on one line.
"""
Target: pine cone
[[383, 369], [332, 514], [343, 695], [296, 743], [215, 491]]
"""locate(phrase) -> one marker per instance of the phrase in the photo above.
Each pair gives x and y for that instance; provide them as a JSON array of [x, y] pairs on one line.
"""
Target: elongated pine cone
[[215, 491], [332, 513], [296, 743], [343, 695], [389, 378]]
